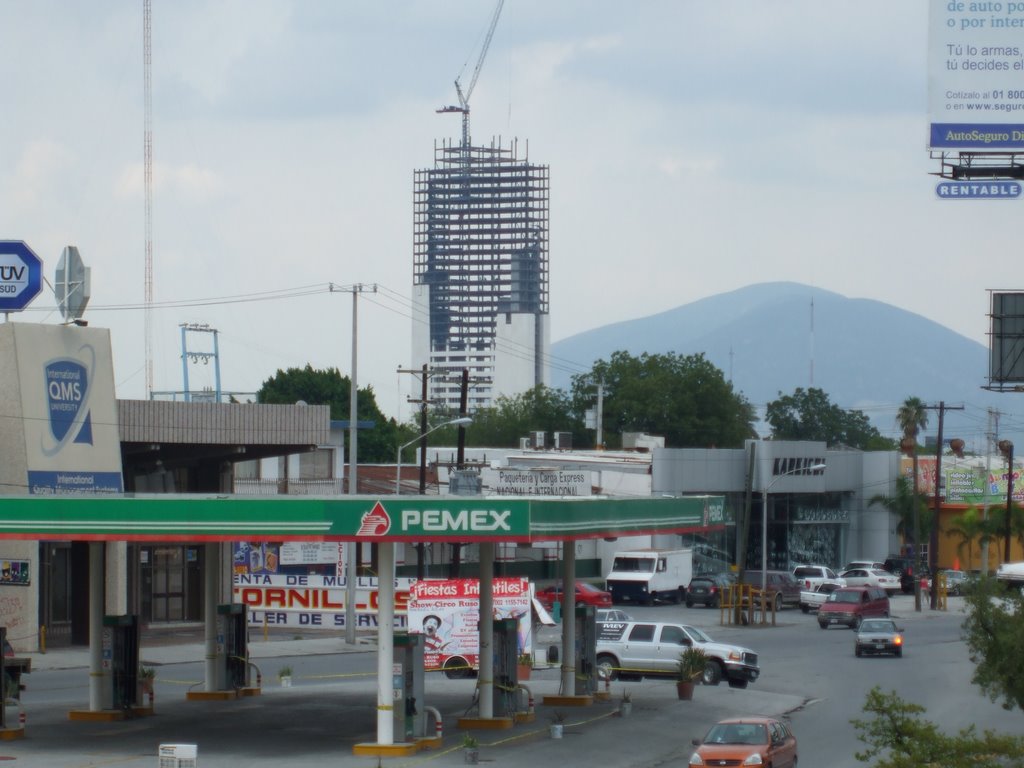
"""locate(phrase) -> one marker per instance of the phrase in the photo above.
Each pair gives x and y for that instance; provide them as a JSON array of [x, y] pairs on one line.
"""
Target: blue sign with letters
[[21, 275], [978, 190]]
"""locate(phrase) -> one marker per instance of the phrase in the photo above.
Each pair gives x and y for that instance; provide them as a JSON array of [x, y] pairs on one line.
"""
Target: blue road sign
[[978, 190], [21, 275]]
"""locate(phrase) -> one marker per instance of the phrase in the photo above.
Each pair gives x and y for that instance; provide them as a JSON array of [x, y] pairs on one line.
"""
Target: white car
[[872, 577], [811, 576]]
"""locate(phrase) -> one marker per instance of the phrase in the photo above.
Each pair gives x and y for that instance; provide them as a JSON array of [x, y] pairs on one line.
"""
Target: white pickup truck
[[813, 599]]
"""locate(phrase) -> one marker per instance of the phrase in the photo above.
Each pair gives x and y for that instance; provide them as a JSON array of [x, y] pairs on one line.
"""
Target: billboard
[[1006, 350], [976, 75]]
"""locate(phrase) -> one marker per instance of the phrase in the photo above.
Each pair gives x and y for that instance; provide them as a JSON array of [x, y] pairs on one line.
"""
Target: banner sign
[[313, 601], [448, 613], [537, 482], [965, 484], [976, 75]]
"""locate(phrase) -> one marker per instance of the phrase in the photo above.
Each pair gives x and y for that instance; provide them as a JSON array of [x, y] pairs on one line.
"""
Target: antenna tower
[[147, 152]]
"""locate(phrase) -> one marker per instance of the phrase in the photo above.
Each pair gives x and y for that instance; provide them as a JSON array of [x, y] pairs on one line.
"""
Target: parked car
[[612, 614], [813, 599], [586, 594], [851, 605], [783, 588], [872, 577], [906, 569], [640, 649], [747, 741], [810, 576], [878, 636], [863, 564], [706, 590]]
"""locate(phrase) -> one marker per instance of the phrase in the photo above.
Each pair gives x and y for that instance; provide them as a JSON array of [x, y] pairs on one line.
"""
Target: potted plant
[[146, 677], [626, 705], [689, 668], [557, 724], [284, 675], [470, 749], [524, 665]]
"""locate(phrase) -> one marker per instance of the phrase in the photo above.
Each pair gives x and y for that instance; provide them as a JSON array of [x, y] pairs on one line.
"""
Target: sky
[[694, 147]]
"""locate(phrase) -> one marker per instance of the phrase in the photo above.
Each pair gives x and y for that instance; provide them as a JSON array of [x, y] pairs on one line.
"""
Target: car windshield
[[877, 625], [841, 596], [737, 733]]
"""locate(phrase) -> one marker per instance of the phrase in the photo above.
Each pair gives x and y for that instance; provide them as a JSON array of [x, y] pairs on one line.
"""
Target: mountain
[[865, 354]]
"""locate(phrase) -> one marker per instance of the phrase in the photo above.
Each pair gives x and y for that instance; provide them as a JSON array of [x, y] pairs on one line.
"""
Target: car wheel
[[679, 596], [805, 608], [899, 653], [607, 667], [885, 614], [689, 603], [714, 603], [712, 674], [737, 683], [856, 623], [823, 625], [778, 602], [856, 650], [457, 668]]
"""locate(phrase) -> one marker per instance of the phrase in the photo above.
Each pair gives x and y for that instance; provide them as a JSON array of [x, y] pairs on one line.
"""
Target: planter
[[625, 709], [523, 671], [286, 681], [471, 755], [556, 730], [684, 689]]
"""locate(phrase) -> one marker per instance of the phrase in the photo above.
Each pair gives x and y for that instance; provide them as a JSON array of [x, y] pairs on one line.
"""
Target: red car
[[586, 594], [747, 741]]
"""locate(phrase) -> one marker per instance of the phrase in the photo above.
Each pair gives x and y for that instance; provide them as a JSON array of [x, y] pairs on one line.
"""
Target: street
[[809, 673]]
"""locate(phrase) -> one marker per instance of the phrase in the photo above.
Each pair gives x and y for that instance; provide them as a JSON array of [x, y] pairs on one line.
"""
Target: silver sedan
[[878, 636]]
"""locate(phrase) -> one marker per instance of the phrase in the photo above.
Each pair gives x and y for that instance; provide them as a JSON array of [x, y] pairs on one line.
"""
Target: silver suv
[[636, 649]]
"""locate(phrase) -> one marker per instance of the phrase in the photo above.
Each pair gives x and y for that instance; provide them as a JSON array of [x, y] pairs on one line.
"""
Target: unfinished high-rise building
[[480, 273]]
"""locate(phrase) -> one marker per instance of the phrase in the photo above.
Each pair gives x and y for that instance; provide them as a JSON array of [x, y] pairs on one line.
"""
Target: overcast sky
[[695, 147]]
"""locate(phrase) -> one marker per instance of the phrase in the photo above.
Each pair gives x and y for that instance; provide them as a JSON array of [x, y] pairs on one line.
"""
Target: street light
[[764, 514], [459, 422]]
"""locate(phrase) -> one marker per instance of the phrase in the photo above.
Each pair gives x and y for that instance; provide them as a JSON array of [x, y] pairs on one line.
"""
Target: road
[[807, 673]]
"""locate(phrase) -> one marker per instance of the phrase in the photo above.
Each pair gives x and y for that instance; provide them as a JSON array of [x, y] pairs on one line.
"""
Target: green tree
[[902, 505], [329, 387], [994, 632], [898, 737], [969, 527], [541, 409], [810, 415], [685, 399]]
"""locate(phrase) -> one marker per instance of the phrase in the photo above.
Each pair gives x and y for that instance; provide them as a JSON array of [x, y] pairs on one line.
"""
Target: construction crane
[[463, 105]]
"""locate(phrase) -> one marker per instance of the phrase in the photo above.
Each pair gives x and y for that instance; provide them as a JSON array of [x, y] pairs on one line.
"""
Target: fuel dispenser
[[506, 662], [407, 686], [586, 650], [232, 646], [120, 659]]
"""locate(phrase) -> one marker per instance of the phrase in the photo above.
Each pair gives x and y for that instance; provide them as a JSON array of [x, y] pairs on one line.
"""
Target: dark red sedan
[[586, 594]]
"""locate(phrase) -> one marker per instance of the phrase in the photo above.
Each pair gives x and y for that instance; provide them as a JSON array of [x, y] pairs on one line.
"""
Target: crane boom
[[464, 95]]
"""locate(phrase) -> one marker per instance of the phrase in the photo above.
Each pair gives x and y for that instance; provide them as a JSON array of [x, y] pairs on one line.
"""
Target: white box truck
[[645, 575]]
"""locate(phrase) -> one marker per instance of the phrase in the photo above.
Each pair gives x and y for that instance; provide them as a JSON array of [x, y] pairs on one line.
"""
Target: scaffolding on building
[[480, 244]]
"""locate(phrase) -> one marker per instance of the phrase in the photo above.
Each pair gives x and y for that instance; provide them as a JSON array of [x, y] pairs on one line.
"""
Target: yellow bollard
[[42, 638], [266, 630]]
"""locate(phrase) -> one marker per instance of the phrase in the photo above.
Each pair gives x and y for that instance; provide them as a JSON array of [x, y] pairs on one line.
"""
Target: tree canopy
[[994, 631], [541, 409], [810, 415], [686, 399], [329, 387]]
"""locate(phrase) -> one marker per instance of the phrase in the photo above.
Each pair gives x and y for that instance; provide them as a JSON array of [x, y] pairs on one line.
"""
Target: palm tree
[[912, 417], [969, 526]]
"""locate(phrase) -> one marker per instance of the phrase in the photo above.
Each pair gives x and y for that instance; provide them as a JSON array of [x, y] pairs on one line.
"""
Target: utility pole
[[351, 549], [933, 541], [992, 440]]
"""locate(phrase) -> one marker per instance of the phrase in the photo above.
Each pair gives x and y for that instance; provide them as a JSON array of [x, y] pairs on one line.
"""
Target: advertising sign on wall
[[313, 602], [976, 75]]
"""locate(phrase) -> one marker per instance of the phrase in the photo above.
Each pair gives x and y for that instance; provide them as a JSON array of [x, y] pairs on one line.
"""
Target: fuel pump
[[232, 646], [586, 650], [120, 658], [407, 685], [506, 658]]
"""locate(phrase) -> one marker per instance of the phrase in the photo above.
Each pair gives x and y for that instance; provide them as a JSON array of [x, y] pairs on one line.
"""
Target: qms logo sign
[[67, 399]]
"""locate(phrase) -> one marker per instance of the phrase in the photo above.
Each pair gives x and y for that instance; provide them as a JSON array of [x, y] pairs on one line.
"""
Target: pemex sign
[[21, 275]]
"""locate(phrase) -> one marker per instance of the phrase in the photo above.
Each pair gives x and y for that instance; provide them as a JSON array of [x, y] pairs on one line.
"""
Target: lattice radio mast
[[147, 152]]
